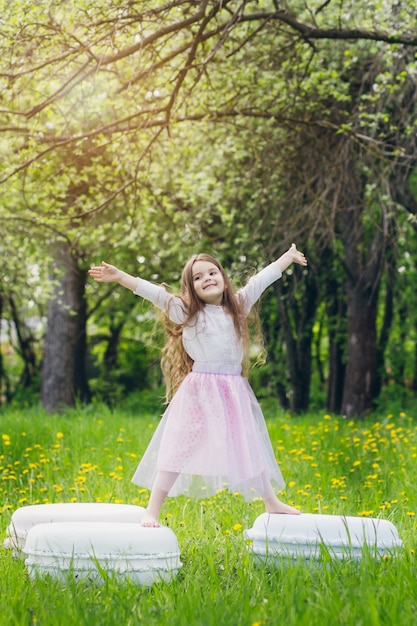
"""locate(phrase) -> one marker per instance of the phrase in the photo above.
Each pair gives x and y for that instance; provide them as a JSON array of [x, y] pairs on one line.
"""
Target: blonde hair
[[175, 362]]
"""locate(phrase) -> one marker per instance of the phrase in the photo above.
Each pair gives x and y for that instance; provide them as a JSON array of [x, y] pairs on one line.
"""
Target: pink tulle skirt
[[214, 436]]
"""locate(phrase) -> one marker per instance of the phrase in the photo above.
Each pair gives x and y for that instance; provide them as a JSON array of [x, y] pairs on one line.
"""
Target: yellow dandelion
[[410, 513], [237, 526]]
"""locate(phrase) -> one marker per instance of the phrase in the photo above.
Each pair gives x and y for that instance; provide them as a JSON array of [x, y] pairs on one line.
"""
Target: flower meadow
[[332, 466]]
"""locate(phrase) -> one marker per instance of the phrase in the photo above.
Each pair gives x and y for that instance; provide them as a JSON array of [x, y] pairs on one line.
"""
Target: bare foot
[[149, 521], [275, 506]]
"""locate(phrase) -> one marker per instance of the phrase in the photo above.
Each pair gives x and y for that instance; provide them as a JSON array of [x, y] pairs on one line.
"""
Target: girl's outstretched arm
[[291, 256], [158, 295], [252, 291], [106, 273]]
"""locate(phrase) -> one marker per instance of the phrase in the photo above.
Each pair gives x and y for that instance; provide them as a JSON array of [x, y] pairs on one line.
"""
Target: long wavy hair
[[175, 362]]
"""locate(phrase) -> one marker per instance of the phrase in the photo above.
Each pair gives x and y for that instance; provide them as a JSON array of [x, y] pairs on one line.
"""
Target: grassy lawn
[[331, 465]]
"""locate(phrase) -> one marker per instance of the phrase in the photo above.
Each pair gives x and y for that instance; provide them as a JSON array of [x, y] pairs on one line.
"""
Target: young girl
[[213, 434]]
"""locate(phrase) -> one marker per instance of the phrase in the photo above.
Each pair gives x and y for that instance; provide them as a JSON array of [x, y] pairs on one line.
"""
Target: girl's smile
[[208, 282]]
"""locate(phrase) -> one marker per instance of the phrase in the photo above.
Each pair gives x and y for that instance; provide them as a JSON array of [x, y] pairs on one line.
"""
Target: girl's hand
[[291, 256], [297, 256], [104, 273]]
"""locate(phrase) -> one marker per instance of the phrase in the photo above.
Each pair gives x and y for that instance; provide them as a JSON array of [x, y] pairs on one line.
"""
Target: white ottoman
[[27, 517], [309, 536], [96, 550]]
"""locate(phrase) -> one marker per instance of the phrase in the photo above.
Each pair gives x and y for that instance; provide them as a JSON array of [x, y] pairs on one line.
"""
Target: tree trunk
[[364, 255], [336, 314], [360, 379], [337, 372], [414, 381], [297, 327], [63, 371], [384, 334], [113, 341], [2, 373], [25, 346], [274, 379], [336, 380]]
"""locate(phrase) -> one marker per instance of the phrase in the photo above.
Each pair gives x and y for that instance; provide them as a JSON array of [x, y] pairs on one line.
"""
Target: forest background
[[141, 132]]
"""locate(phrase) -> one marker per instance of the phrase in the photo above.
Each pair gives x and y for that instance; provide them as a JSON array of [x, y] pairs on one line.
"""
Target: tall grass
[[332, 466]]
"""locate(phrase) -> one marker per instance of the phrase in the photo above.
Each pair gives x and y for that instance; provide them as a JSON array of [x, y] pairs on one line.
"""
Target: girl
[[213, 434]]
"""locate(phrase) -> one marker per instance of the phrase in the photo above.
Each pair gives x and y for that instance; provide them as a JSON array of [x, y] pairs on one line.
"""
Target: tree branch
[[308, 31]]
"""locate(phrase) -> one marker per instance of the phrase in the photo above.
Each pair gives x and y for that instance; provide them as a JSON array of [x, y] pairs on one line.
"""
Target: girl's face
[[208, 282]]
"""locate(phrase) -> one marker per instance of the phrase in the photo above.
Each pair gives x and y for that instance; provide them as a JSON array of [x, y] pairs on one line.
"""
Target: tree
[[63, 371], [86, 86]]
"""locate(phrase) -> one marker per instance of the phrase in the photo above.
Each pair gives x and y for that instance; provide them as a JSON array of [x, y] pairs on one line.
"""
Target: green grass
[[332, 466]]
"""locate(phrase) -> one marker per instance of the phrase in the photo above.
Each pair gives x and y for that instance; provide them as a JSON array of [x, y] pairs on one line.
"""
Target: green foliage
[[143, 132]]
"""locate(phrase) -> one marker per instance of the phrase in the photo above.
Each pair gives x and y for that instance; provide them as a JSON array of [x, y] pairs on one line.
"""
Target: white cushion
[[27, 517], [308, 535], [95, 550]]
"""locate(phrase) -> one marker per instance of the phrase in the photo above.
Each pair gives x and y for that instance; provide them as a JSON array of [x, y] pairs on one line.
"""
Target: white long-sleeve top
[[210, 339]]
